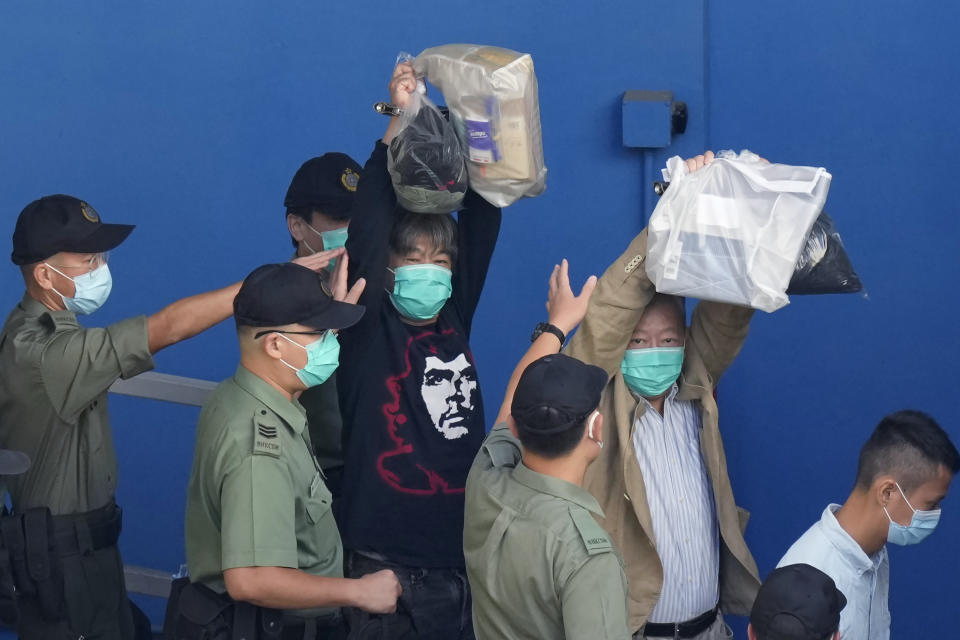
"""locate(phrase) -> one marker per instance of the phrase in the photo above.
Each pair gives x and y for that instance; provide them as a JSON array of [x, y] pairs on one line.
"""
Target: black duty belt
[[689, 629], [81, 533]]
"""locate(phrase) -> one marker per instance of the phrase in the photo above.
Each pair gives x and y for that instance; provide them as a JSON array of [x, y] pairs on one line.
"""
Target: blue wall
[[189, 119]]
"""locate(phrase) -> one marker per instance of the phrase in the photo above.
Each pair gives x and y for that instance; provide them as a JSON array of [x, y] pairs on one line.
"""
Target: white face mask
[[593, 419], [92, 289]]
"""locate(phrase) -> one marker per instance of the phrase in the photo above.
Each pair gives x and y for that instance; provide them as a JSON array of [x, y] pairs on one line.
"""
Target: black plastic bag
[[824, 266], [425, 162]]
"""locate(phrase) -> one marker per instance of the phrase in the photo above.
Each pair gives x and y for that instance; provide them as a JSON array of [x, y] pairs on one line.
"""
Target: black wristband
[[546, 327]]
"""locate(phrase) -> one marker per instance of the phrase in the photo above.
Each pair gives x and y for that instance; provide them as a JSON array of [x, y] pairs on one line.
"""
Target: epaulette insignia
[[266, 434], [595, 539]]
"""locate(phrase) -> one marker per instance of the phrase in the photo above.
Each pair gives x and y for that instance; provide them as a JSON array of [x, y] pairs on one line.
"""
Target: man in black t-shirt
[[412, 411]]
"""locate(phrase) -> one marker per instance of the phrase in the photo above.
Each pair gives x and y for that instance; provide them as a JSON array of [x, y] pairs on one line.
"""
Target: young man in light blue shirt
[[904, 473]]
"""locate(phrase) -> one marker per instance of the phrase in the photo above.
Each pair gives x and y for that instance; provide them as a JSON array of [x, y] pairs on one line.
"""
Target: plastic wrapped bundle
[[733, 231], [425, 161], [824, 266], [492, 97]]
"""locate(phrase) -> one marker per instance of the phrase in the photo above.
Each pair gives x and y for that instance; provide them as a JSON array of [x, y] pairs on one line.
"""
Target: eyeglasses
[[315, 332], [95, 261]]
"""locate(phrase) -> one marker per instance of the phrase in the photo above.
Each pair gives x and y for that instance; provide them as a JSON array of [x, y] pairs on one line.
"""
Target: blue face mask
[[650, 372], [92, 290], [421, 290], [323, 357], [333, 239], [921, 525]]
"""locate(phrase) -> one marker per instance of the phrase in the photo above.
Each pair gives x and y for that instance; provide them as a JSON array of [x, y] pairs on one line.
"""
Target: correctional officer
[[262, 546], [539, 564], [319, 201], [54, 376]]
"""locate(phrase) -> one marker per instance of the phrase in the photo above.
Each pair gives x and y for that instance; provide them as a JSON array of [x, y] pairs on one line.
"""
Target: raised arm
[[622, 295], [372, 217], [623, 292], [717, 333], [478, 229], [565, 311], [187, 317]]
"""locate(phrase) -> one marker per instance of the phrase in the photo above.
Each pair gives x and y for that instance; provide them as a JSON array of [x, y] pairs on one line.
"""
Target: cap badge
[[89, 212], [349, 179]]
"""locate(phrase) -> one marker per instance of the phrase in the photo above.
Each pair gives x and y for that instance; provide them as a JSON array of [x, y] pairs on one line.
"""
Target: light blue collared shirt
[[681, 507], [863, 579]]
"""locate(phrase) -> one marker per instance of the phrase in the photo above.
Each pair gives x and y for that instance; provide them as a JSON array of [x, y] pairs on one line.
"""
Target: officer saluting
[[319, 203], [263, 548], [54, 376], [540, 566]]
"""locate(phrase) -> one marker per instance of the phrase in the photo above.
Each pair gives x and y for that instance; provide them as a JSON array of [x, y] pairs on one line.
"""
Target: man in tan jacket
[[662, 478]]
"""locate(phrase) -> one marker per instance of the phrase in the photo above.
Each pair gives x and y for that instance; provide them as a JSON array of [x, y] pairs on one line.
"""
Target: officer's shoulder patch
[[595, 539], [266, 433]]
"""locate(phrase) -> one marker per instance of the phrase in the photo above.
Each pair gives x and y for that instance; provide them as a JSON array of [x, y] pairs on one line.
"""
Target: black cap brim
[[13, 463], [337, 315], [105, 238]]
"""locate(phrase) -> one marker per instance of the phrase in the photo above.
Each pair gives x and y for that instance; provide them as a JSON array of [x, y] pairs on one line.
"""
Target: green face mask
[[323, 358], [333, 239], [650, 372], [421, 290]]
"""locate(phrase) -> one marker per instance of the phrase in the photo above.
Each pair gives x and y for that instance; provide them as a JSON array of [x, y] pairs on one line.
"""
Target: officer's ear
[[39, 274], [295, 225], [751, 634], [269, 345]]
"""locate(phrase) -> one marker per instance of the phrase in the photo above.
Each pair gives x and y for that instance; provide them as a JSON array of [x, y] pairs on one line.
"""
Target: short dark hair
[[439, 230], [553, 445], [909, 445], [306, 214]]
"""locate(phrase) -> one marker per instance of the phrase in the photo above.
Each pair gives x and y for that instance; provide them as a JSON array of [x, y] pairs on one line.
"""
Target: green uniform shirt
[[540, 566], [54, 376], [256, 496]]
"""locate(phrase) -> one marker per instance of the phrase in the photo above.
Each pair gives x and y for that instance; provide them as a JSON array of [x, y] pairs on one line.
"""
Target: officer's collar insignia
[[349, 180], [89, 212]]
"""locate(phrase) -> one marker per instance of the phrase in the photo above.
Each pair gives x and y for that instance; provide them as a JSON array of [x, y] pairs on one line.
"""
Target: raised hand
[[320, 260], [564, 309], [338, 282]]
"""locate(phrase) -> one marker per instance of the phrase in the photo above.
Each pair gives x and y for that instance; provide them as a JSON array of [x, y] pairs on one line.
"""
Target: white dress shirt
[[681, 506], [863, 579]]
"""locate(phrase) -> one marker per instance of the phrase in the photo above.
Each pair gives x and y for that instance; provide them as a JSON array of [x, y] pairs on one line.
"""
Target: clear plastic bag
[[493, 101], [733, 231], [425, 161], [824, 266]]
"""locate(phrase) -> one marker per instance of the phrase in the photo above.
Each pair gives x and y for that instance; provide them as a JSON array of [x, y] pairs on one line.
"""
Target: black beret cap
[[327, 183], [62, 223], [556, 392], [275, 295]]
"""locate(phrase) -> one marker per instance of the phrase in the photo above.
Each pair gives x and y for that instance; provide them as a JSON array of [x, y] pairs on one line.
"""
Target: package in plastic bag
[[493, 100], [425, 161], [824, 266], [733, 231]]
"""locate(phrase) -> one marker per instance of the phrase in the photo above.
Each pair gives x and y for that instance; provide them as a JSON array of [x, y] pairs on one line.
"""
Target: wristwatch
[[548, 328]]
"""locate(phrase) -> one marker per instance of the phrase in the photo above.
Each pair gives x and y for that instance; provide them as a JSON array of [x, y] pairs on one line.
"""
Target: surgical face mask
[[921, 525], [650, 372], [323, 357], [92, 289], [420, 290], [333, 239]]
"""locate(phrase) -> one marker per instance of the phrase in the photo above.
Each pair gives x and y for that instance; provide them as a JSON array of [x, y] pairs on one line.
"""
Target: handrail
[[167, 388]]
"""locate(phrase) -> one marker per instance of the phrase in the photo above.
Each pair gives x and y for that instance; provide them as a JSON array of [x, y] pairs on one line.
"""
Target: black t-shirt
[[409, 395]]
